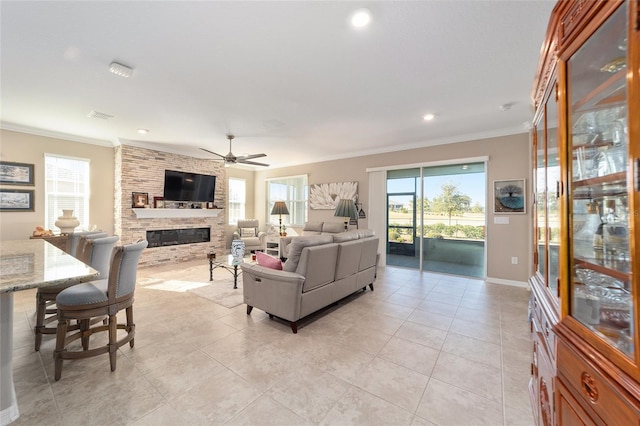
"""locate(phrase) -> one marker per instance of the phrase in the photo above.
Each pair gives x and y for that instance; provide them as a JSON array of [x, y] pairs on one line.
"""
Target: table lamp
[[280, 208], [346, 209]]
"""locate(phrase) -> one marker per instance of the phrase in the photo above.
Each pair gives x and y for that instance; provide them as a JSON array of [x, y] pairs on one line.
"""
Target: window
[[237, 199], [66, 187], [294, 191]]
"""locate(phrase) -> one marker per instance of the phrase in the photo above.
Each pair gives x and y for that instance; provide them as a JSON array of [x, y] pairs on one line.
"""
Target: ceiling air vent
[[100, 115]]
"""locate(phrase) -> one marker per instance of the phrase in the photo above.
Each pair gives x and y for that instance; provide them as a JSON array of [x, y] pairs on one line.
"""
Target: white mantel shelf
[[175, 213]]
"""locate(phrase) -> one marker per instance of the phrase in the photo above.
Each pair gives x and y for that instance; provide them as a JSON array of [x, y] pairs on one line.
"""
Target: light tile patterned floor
[[422, 349]]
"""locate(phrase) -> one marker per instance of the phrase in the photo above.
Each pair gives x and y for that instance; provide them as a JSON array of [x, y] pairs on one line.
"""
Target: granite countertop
[[32, 263]]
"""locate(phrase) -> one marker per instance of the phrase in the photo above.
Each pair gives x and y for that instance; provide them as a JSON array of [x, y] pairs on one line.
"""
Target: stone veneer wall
[[142, 170]]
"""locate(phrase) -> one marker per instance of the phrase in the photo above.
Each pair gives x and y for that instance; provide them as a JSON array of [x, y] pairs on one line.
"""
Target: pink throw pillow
[[268, 261]]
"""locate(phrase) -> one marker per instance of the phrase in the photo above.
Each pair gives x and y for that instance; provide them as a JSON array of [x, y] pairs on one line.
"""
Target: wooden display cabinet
[[586, 177]]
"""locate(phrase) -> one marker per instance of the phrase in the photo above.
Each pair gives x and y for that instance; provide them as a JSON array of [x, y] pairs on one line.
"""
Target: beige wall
[[508, 159], [26, 148]]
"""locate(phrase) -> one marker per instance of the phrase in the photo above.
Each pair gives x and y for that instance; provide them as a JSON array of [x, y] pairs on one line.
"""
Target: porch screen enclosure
[[436, 218]]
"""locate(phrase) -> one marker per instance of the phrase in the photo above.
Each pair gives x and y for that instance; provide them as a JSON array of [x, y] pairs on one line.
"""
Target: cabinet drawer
[[534, 307], [569, 411], [595, 390], [549, 337], [541, 328]]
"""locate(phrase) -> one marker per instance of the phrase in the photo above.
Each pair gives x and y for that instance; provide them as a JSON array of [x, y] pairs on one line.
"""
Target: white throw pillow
[[247, 232]]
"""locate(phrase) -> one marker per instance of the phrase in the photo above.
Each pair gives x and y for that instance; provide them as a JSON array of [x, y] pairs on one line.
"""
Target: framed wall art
[[326, 196], [510, 196], [158, 202], [16, 200], [139, 199], [16, 173]]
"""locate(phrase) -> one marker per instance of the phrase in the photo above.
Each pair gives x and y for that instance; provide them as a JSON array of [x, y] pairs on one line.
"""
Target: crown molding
[[422, 144], [53, 134]]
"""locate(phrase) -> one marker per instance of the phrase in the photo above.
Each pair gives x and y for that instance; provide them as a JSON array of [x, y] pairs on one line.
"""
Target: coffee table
[[225, 262]]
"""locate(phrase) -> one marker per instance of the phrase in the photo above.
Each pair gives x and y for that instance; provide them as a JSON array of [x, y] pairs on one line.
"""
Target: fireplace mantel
[[175, 213]]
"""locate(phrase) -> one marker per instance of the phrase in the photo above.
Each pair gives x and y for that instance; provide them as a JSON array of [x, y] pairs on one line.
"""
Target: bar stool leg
[[61, 334]]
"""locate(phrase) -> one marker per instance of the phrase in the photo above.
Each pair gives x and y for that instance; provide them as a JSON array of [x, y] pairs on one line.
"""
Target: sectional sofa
[[319, 271]]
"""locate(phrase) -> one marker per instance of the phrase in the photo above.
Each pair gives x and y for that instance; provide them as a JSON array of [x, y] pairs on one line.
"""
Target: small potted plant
[[284, 230]]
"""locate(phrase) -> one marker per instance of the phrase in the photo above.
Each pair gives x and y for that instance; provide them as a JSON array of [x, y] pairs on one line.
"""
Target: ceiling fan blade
[[253, 163], [249, 157], [214, 153]]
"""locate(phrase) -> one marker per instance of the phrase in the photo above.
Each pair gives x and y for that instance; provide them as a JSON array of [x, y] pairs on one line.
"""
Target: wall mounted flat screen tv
[[183, 186]]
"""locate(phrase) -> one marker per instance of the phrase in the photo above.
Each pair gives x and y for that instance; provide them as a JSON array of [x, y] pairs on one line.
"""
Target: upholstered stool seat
[[96, 299], [91, 293]]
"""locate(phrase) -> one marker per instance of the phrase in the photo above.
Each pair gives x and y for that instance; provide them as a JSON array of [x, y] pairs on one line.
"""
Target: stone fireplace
[[142, 170]]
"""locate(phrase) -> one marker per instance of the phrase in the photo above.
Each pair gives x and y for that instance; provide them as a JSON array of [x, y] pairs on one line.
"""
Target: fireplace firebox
[[174, 237]]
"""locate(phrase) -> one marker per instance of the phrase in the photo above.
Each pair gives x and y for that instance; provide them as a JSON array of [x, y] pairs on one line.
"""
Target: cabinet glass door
[[600, 279], [553, 195], [541, 200]]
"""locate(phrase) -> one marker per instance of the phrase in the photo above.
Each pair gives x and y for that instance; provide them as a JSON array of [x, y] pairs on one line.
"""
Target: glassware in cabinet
[[600, 282]]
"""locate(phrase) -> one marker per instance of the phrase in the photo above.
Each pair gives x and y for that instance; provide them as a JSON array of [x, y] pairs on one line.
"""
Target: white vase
[[67, 222], [237, 251]]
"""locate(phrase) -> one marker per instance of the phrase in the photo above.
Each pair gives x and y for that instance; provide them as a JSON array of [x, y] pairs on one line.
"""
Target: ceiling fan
[[230, 159]]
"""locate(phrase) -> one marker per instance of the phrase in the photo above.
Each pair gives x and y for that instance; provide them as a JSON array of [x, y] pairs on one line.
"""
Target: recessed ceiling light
[[121, 70], [143, 131], [428, 117], [506, 107], [360, 18]]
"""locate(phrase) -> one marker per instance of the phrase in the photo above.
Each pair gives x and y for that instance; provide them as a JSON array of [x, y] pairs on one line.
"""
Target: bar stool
[[96, 252], [96, 299]]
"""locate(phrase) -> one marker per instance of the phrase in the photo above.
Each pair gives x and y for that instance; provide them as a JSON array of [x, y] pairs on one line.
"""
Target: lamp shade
[[346, 208], [280, 207]]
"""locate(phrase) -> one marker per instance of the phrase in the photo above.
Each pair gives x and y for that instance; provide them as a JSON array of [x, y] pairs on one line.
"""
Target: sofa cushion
[[332, 227], [365, 233], [317, 265], [346, 236], [369, 253], [251, 242], [268, 261], [296, 246], [248, 232], [349, 255], [312, 228]]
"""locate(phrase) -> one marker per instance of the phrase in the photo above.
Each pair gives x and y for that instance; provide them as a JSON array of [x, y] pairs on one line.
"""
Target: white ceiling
[[290, 79]]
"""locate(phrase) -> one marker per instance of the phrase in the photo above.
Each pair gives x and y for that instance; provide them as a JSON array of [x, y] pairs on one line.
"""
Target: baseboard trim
[[513, 283]]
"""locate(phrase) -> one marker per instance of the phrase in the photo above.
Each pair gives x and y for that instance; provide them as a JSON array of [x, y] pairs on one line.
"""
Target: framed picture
[[16, 200], [158, 202], [139, 199], [326, 196], [510, 196], [16, 173]]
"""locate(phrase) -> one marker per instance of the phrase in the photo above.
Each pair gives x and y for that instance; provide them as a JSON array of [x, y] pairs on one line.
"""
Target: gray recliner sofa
[[320, 270]]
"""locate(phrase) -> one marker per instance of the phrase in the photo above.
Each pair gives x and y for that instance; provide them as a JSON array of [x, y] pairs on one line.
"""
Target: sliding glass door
[[403, 244], [436, 219]]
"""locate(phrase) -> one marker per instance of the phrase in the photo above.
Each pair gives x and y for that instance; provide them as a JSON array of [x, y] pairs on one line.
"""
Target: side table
[[273, 246], [227, 263]]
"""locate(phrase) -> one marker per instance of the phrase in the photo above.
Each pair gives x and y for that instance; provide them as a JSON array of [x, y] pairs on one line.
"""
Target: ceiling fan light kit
[[231, 159]]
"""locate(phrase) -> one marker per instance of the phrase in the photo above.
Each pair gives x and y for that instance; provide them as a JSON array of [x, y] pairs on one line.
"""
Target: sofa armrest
[[284, 246], [273, 291]]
